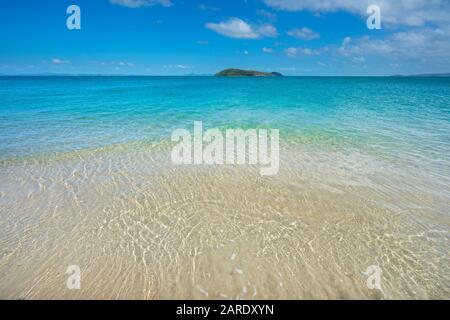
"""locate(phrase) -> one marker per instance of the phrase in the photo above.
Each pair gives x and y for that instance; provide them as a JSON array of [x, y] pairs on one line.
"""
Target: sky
[[181, 37]]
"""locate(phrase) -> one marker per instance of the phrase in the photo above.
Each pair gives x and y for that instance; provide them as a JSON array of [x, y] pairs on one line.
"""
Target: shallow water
[[86, 179]]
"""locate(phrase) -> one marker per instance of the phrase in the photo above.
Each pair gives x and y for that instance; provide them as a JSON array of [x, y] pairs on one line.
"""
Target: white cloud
[[205, 7], [393, 12], [291, 52], [126, 64], [239, 29], [303, 34], [267, 50], [418, 31], [59, 61], [295, 52], [234, 28], [267, 30], [358, 60], [309, 52], [179, 66], [117, 65], [346, 50], [424, 44], [141, 3], [267, 14]]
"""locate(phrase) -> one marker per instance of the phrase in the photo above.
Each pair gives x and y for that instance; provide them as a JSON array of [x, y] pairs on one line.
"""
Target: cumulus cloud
[[234, 28], [267, 50], [239, 29], [141, 3], [420, 44], [303, 34], [419, 30], [393, 12]]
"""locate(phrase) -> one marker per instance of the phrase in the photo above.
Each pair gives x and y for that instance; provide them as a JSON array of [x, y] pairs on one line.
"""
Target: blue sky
[[177, 37]]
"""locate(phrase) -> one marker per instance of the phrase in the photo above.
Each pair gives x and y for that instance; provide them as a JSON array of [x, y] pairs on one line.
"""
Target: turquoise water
[[86, 179], [58, 114]]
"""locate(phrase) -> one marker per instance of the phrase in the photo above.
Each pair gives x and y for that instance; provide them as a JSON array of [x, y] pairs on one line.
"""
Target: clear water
[[86, 178]]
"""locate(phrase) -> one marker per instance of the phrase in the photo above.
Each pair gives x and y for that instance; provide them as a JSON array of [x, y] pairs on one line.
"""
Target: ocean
[[86, 179]]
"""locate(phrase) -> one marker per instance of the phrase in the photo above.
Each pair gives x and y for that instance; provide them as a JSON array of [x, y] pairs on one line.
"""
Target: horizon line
[[444, 75]]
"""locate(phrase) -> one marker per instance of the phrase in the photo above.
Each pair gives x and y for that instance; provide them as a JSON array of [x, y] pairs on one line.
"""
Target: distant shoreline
[[440, 75]]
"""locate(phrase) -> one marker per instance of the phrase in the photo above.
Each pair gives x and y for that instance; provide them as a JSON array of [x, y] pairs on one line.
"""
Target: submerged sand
[[141, 228]]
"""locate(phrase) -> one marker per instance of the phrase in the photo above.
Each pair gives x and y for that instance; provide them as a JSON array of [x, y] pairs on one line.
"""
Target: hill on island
[[246, 73]]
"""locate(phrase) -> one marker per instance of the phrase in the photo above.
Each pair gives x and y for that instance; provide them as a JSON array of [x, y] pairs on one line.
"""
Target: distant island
[[425, 75], [246, 73]]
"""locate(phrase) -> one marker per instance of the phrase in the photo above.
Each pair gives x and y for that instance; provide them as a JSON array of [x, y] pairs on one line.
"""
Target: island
[[246, 73]]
